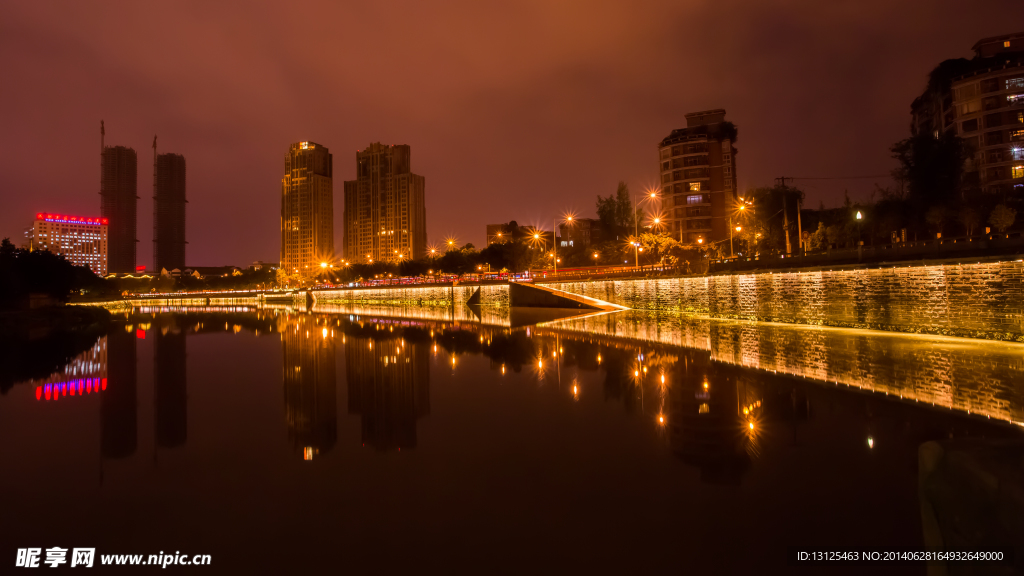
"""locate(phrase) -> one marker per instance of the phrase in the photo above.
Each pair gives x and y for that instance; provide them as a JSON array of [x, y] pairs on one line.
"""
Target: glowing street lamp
[[651, 195], [554, 238]]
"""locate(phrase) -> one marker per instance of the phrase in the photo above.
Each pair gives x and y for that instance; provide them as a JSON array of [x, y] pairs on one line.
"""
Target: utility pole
[[731, 252], [799, 227], [554, 245], [636, 237], [785, 214]]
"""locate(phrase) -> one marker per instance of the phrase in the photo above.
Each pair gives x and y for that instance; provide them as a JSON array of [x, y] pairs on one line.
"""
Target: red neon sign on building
[[47, 217]]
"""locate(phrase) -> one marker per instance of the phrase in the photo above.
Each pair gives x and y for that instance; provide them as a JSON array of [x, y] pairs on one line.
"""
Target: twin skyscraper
[[385, 215], [119, 203]]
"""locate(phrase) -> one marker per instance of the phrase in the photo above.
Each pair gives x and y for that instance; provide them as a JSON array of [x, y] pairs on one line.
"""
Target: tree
[[819, 238], [931, 167], [616, 213], [24, 272], [658, 249], [1002, 217], [969, 218], [766, 217], [280, 278], [936, 217]]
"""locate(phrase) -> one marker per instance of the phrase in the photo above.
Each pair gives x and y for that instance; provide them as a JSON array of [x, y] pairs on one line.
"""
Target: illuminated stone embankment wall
[[443, 303], [984, 300], [977, 377]]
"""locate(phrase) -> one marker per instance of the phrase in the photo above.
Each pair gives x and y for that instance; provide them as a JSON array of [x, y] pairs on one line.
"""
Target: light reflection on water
[[277, 427], [974, 376], [388, 375]]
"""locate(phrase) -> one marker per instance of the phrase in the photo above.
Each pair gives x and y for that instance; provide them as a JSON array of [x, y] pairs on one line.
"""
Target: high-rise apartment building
[[118, 202], [307, 209], [981, 100], [168, 211], [698, 177], [385, 214], [82, 241]]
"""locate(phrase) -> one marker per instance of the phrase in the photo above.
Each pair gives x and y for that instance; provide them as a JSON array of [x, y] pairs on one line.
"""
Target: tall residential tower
[[118, 201], [168, 211], [307, 209], [698, 177], [385, 215]]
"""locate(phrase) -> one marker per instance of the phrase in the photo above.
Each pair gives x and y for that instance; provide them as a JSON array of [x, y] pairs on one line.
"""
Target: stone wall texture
[[984, 300]]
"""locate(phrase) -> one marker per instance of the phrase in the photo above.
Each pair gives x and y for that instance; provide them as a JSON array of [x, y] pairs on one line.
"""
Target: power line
[[837, 177]]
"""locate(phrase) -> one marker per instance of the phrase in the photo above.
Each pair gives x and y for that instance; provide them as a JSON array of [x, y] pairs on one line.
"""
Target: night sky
[[514, 110]]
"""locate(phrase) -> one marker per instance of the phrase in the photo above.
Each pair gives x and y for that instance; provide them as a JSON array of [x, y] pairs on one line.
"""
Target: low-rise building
[[580, 232]]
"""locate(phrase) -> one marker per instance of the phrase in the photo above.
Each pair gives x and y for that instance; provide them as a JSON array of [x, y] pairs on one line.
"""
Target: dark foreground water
[[284, 443]]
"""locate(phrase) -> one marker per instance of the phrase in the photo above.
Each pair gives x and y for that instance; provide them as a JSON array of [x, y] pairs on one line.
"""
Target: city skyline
[[851, 92]]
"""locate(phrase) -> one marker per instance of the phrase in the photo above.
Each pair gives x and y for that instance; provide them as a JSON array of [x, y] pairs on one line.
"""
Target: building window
[[1018, 171], [694, 199], [1017, 136], [969, 125], [1017, 153], [1015, 83], [1006, 43], [694, 186], [1015, 99]]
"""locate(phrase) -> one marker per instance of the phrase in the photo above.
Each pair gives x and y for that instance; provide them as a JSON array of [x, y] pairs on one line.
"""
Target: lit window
[[1017, 135], [694, 199], [1018, 171], [1014, 83], [694, 186], [1006, 43], [1017, 153]]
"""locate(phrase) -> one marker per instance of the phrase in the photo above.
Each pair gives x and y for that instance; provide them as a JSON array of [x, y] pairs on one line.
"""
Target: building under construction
[[118, 203], [168, 211]]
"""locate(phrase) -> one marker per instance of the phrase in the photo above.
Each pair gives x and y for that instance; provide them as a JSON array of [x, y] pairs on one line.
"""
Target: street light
[[554, 238], [651, 195]]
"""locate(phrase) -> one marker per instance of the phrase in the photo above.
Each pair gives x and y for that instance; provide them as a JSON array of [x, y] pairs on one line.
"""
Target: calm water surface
[[285, 442]]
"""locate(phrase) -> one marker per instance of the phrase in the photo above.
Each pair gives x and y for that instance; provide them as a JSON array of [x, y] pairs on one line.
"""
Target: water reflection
[[85, 374], [308, 376], [118, 402], [972, 376], [714, 419], [712, 402], [170, 386], [388, 378]]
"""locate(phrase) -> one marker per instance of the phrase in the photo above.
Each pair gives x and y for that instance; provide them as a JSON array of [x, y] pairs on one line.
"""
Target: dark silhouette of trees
[[24, 273]]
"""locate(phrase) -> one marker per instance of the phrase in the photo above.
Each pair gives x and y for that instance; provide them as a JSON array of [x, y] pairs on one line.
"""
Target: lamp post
[[636, 227], [554, 239]]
